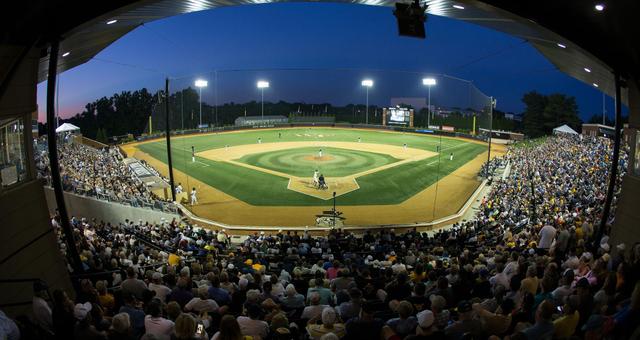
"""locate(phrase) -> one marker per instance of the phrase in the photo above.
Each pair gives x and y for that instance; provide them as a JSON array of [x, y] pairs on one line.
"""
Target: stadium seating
[[528, 265]]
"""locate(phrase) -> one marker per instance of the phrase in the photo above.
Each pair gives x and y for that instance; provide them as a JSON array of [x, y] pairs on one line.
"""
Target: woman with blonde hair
[[185, 328]]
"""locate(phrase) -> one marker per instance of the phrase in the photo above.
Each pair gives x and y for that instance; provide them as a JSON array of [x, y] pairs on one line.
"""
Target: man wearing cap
[[156, 285], [365, 326], [495, 323], [426, 328], [465, 324], [251, 325], [84, 329], [329, 324], [41, 310], [439, 311], [202, 303], [315, 308]]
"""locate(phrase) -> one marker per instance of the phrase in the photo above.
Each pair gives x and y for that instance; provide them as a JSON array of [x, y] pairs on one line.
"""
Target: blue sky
[[337, 45]]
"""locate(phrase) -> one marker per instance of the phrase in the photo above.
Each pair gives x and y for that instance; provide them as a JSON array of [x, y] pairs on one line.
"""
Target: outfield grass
[[390, 186]]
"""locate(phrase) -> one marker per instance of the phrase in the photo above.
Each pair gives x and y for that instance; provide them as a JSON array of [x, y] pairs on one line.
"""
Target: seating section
[[530, 264]]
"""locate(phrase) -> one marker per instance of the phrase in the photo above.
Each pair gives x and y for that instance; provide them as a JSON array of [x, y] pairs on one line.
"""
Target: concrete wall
[[626, 227], [27, 232], [81, 206]]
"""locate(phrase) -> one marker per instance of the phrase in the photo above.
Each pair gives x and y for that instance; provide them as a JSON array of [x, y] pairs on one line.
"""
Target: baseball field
[[266, 176]]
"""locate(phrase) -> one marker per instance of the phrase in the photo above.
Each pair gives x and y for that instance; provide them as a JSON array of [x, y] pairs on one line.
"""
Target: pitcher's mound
[[315, 158]]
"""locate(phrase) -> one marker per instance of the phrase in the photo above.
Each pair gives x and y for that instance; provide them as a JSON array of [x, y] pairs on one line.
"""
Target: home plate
[[339, 185]]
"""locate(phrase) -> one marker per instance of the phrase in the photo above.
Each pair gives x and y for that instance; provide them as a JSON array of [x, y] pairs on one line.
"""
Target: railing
[[137, 202]]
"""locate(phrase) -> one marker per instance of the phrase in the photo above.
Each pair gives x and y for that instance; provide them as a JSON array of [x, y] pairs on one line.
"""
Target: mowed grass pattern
[[302, 162], [390, 186]]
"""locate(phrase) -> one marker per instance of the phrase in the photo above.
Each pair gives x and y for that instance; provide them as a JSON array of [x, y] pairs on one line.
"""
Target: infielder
[[320, 153], [193, 154], [194, 198]]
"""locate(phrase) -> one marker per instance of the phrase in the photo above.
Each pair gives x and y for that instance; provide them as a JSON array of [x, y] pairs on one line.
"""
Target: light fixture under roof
[[110, 22], [594, 84], [458, 6], [561, 45], [66, 54], [599, 7], [587, 70]]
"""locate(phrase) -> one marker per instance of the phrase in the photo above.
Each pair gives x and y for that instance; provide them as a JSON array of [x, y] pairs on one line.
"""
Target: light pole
[[367, 83], [262, 84], [200, 84], [429, 82]]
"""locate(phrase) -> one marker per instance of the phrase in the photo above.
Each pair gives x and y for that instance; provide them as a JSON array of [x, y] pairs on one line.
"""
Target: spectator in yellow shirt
[[565, 325]]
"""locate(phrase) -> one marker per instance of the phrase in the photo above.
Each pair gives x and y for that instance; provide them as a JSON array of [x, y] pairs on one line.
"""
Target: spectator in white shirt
[[547, 234], [315, 309], [156, 285], [202, 303], [41, 310], [252, 325]]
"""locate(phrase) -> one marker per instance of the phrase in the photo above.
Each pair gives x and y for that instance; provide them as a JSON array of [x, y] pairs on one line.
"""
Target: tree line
[[139, 112]]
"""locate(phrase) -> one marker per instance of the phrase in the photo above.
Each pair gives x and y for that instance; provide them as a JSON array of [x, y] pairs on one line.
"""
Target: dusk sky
[[336, 45]]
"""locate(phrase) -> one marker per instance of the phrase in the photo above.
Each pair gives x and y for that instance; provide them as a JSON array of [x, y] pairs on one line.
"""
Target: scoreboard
[[397, 116]]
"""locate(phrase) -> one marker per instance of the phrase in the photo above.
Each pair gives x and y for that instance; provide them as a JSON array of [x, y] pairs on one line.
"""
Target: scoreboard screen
[[398, 115]]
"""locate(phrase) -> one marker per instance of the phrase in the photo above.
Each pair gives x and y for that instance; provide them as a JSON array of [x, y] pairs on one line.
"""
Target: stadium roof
[[570, 33]]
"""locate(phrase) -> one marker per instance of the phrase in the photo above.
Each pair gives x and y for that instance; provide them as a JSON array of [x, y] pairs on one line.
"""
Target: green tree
[[101, 136], [533, 118]]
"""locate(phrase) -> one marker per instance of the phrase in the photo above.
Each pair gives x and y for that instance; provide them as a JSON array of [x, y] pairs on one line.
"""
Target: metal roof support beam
[[613, 173], [53, 158], [168, 136]]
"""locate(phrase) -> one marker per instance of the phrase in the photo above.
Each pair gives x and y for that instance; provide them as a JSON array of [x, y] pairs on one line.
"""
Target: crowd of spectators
[[530, 265], [101, 173]]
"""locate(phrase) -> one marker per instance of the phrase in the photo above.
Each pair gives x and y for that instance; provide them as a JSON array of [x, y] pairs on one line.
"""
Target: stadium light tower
[[200, 83], [263, 85], [367, 83], [429, 82]]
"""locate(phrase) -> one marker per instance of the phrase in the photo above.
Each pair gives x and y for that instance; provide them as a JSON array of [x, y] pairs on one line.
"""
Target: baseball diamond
[[238, 178]]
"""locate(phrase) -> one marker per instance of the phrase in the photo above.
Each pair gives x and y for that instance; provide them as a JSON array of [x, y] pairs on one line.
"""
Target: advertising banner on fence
[[434, 127], [448, 128]]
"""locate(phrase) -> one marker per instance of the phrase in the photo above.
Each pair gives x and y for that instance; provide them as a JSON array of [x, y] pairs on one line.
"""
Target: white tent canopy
[[66, 127], [564, 129]]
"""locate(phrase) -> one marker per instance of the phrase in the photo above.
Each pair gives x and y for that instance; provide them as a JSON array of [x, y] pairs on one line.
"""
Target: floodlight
[[428, 81], [263, 84], [561, 45], [112, 21], [201, 83], [587, 70], [599, 7], [66, 54], [458, 6], [367, 82]]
